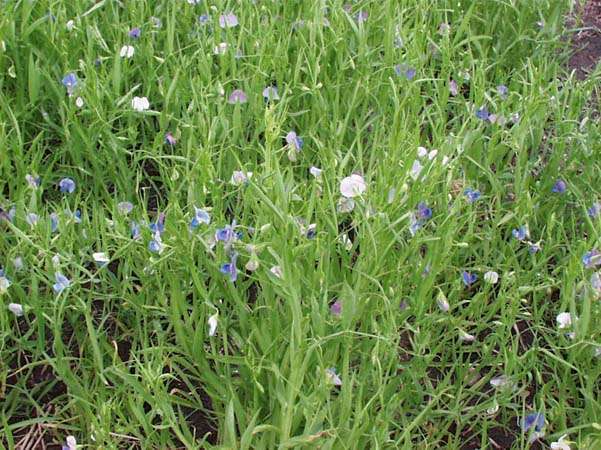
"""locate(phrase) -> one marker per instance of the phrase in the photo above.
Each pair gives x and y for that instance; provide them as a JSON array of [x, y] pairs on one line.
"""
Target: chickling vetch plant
[[267, 224]]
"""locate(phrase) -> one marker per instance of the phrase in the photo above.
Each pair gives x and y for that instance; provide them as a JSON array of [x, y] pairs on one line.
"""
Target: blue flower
[[594, 210], [159, 225], [31, 218], [77, 216], [405, 70], [70, 81], [472, 195], [230, 269], [203, 19], [227, 235], [521, 233], [53, 222], [67, 185], [156, 244], [483, 114], [135, 33], [294, 141], [469, 278], [62, 282], [536, 420], [424, 211], [559, 187], [200, 216], [135, 231], [592, 259], [534, 248], [33, 181]]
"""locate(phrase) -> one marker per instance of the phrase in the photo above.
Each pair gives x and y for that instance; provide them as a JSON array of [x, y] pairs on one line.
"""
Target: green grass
[[123, 359]]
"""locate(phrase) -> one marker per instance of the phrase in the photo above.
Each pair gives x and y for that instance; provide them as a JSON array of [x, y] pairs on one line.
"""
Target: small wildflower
[[469, 278], [424, 212], [502, 90], [31, 219], [230, 269], [352, 186], [533, 248], [442, 302], [33, 181], [125, 207], [16, 309], [79, 102], [596, 282], [18, 263], [276, 271], [71, 443], [239, 177], [169, 139], [362, 16], [444, 28], [135, 231], [70, 81], [127, 51], [483, 114], [67, 185], [502, 381], [595, 210], [294, 141], [140, 104], [228, 20], [564, 320], [221, 48], [200, 216], [203, 19], [270, 93], [333, 377], [453, 89], [405, 71], [70, 25], [194, 2], [346, 242], [561, 444], [466, 337], [592, 259], [156, 244], [158, 226], [213, 321], [101, 259], [311, 231], [237, 96], [559, 187], [135, 33], [521, 233], [53, 222], [491, 277], [336, 308], [534, 420], [156, 22], [4, 282], [316, 172], [472, 195], [62, 282], [416, 169], [227, 235]]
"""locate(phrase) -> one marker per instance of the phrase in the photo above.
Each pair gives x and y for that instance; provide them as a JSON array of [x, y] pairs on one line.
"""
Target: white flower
[[432, 154], [127, 51], [140, 104], [213, 324], [18, 263], [442, 302], [564, 320], [466, 337], [422, 152], [346, 241], [4, 284], [221, 49], [316, 172], [276, 271], [70, 25], [352, 186], [100, 258], [445, 160], [333, 377], [16, 309], [71, 442], [79, 102], [416, 169], [491, 277], [561, 444]]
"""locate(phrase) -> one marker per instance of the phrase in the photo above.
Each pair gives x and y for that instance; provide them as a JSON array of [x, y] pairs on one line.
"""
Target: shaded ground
[[586, 43]]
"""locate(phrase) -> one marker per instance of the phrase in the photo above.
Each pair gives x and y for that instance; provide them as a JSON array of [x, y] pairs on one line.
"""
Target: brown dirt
[[587, 42]]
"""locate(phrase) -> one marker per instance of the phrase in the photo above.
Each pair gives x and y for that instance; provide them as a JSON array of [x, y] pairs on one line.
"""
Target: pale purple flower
[[336, 308], [239, 177], [135, 231], [483, 114], [596, 281], [71, 443], [362, 16], [203, 19], [521, 233], [294, 141], [62, 282], [595, 210], [271, 93], [534, 420], [333, 377], [70, 81], [125, 207], [156, 244], [33, 181], [53, 222], [564, 320], [453, 89], [503, 91], [352, 186], [592, 259], [228, 20], [472, 195], [237, 96], [169, 139], [405, 71], [67, 185], [16, 309], [135, 33], [416, 169]]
